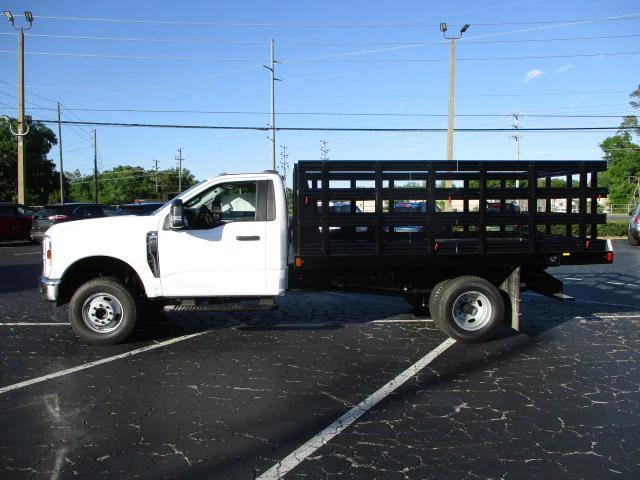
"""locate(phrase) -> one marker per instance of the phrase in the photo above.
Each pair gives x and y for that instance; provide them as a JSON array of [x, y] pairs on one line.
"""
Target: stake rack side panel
[[436, 208]]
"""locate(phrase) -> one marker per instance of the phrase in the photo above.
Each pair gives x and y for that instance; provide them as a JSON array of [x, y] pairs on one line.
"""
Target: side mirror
[[176, 218]]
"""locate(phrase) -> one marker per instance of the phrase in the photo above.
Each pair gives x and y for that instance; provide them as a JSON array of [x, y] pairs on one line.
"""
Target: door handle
[[247, 238]]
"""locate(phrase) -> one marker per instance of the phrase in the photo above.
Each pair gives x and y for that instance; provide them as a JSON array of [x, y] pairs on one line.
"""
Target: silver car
[[634, 228]]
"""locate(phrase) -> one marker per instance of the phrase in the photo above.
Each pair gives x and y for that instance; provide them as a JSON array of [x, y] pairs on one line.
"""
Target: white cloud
[[531, 74], [564, 68]]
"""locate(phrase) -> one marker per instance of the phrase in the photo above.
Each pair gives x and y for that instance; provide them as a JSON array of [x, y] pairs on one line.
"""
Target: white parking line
[[298, 456], [61, 373], [29, 324]]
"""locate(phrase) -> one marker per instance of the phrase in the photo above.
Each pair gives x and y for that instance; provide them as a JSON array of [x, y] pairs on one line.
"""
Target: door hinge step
[[222, 307]]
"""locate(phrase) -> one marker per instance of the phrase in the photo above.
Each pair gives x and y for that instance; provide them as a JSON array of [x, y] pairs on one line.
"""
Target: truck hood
[[95, 229]]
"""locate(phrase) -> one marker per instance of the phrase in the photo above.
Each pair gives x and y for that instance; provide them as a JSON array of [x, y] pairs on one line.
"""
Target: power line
[[244, 94], [320, 44], [346, 114], [134, 57], [331, 129], [320, 60], [140, 39], [469, 59], [632, 16]]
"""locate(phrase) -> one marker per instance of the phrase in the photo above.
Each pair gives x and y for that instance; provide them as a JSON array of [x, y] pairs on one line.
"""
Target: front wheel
[[469, 308], [103, 311]]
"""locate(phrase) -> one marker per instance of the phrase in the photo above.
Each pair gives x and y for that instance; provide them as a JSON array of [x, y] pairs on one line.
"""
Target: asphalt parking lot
[[295, 392]]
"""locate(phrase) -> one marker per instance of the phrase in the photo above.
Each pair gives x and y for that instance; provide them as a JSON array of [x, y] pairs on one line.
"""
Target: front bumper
[[49, 288]]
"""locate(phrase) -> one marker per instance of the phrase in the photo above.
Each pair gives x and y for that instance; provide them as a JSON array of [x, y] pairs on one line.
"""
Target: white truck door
[[222, 249]]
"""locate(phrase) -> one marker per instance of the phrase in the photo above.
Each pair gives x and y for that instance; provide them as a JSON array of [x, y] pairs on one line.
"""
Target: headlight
[[47, 255]]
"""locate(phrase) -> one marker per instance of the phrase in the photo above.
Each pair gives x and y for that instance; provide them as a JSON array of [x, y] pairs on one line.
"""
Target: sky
[[336, 57]]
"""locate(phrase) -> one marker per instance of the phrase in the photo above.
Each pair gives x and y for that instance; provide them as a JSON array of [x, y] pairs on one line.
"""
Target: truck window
[[222, 203]]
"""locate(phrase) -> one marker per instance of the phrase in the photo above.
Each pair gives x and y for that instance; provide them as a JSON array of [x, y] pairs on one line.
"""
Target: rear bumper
[[49, 288], [37, 234]]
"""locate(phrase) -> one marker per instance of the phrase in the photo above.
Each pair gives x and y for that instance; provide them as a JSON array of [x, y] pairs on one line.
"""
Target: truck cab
[[224, 237]]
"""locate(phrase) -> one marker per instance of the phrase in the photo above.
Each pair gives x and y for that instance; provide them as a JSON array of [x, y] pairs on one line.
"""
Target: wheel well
[[93, 267]]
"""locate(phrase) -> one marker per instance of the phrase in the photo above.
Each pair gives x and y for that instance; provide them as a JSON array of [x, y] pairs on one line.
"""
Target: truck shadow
[[302, 311]]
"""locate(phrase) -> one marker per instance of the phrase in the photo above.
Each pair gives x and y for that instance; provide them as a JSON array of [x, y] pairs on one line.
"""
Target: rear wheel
[[469, 308], [103, 311], [434, 297], [633, 242]]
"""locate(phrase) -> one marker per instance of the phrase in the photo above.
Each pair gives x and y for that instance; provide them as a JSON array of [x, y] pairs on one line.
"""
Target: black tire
[[434, 297], [447, 297], [419, 304], [633, 242], [114, 290]]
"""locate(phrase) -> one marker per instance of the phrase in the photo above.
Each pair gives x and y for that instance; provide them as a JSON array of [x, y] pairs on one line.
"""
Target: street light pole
[[20, 133], [452, 66], [452, 61], [21, 169]]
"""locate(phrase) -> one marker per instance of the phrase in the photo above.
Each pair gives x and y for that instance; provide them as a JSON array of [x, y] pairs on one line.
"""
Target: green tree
[[623, 167], [623, 158], [632, 120], [126, 183], [42, 180]]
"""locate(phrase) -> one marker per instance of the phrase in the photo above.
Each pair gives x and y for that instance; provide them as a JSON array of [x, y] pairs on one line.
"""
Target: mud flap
[[511, 287]]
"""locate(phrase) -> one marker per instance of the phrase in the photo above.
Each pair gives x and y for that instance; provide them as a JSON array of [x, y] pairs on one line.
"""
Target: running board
[[222, 307]]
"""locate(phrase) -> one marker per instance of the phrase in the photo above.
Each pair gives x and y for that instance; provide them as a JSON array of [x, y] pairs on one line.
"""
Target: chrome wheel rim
[[102, 312], [471, 311]]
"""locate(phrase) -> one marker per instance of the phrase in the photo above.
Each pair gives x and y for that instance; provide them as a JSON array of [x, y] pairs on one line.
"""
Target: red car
[[15, 222]]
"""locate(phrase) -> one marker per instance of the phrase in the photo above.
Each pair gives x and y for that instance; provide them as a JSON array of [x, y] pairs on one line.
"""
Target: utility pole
[[452, 61], [95, 166], [272, 69], [60, 150], [516, 137], [284, 164], [20, 133], [324, 150], [156, 168], [179, 158]]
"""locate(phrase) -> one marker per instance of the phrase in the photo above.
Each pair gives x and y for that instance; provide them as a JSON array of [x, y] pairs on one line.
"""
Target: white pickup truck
[[226, 244], [230, 240]]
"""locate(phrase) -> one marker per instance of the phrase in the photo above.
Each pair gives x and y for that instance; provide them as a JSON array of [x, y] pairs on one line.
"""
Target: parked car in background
[[142, 208], [408, 207], [15, 222], [509, 207], [634, 228], [65, 212]]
